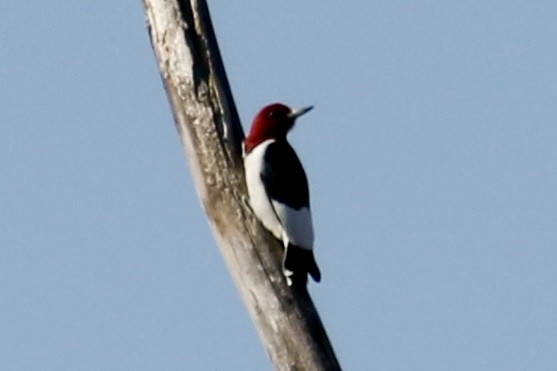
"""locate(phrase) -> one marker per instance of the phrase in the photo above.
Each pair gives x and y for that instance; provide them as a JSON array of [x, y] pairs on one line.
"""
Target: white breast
[[259, 201], [285, 223]]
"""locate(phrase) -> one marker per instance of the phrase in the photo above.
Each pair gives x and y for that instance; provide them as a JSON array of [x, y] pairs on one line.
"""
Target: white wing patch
[[296, 224]]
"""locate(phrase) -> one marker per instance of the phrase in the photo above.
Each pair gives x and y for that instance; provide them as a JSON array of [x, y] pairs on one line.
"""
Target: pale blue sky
[[431, 154]]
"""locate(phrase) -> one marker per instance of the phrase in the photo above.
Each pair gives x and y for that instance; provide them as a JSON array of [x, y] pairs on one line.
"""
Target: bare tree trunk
[[209, 128]]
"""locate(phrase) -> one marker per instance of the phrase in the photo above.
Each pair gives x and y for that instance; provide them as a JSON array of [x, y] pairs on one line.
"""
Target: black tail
[[298, 263]]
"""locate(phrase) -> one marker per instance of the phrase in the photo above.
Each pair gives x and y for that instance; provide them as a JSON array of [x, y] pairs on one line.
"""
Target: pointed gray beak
[[295, 113]]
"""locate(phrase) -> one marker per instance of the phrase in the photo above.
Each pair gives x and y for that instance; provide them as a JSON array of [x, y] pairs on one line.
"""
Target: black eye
[[276, 114]]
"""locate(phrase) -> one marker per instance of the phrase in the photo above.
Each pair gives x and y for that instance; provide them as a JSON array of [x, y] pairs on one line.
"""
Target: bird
[[278, 189]]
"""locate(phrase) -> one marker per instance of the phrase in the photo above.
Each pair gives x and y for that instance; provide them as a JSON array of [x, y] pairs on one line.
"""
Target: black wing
[[284, 177]]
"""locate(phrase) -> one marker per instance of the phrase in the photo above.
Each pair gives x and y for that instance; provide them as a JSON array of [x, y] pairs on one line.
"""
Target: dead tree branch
[[210, 131]]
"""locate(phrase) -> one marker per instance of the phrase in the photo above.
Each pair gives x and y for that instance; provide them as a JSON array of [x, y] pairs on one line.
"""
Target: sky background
[[432, 158]]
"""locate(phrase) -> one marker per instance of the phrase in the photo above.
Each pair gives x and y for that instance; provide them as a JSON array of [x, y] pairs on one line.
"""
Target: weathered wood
[[210, 131]]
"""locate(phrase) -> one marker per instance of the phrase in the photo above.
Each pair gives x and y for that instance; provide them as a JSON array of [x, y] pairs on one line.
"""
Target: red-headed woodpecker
[[278, 189]]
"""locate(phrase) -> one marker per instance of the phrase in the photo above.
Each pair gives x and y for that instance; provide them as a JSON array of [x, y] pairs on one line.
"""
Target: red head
[[272, 122]]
